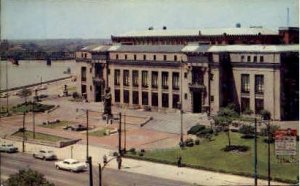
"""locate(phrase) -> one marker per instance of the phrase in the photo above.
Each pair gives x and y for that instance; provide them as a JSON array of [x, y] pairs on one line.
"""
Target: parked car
[[45, 155], [78, 127], [71, 165], [9, 148]]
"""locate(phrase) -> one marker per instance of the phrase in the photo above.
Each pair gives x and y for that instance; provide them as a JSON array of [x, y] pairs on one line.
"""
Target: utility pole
[[33, 119], [89, 161], [120, 134], [181, 103], [6, 69], [23, 141], [0, 169], [269, 154], [124, 132], [255, 152], [87, 134], [100, 174]]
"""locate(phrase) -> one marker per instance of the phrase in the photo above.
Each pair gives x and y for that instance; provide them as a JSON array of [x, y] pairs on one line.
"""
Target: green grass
[[209, 155], [71, 89], [98, 133], [39, 136], [60, 124]]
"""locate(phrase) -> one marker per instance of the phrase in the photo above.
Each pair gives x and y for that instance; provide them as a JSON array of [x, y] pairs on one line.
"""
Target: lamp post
[[105, 162], [266, 121], [23, 130], [33, 119], [181, 101], [255, 152]]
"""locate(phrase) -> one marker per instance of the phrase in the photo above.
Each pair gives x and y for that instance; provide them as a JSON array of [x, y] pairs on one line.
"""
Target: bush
[[143, 150], [248, 111], [273, 128], [75, 95], [234, 130], [132, 150], [266, 140], [141, 154], [240, 148], [246, 129], [248, 136], [195, 129], [204, 132], [197, 142], [189, 142], [266, 115]]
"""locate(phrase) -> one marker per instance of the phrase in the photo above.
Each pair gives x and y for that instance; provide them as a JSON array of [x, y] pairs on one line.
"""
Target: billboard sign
[[286, 142]]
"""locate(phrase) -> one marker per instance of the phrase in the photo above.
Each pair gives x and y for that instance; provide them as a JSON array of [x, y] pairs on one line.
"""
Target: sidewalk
[[193, 176]]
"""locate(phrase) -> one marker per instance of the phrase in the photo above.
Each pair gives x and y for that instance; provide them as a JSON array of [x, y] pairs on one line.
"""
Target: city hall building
[[255, 68]]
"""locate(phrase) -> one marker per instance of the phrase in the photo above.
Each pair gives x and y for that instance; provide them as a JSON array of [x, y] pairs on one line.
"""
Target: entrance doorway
[[197, 102]]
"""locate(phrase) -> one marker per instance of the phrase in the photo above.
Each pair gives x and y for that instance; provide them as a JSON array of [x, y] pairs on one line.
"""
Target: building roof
[[201, 32], [147, 48], [96, 48], [254, 48], [195, 48]]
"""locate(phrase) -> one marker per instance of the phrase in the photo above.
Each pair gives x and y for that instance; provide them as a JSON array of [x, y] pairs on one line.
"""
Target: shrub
[[115, 154], [248, 111], [248, 136], [240, 148], [132, 150], [197, 142], [273, 128], [204, 132], [266, 140], [143, 150], [266, 115], [234, 130], [246, 129], [195, 129], [141, 154], [189, 142], [75, 95]]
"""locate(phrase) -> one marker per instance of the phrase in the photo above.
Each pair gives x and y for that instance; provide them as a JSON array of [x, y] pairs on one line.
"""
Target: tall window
[[259, 105], [261, 58], [259, 84], [245, 87], [245, 104], [248, 58], [117, 77], [126, 96], [175, 58], [145, 57], [135, 97], [164, 80], [154, 79], [242, 58], [255, 59], [125, 56], [175, 100], [126, 77], [154, 99], [83, 73], [154, 57], [175, 80], [144, 98], [117, 96], [117, 56], [134, 57], [165, 100], [145, 79], [135, 78], [165, 57]]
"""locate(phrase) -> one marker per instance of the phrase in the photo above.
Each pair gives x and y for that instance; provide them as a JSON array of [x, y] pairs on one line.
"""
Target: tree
[[27, 177], [224, 118]]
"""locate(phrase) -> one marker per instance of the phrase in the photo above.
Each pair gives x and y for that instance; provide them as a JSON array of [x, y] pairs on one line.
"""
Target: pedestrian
[[119, 160]]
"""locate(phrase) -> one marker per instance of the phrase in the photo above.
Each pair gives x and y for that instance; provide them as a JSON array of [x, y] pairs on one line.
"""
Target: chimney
[[238, 25], [164, 28]]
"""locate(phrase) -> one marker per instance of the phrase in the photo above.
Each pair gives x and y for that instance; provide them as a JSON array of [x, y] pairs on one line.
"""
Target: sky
[[50, 19]]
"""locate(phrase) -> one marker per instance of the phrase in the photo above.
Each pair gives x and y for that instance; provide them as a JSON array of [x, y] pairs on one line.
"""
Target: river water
[[33, 71]]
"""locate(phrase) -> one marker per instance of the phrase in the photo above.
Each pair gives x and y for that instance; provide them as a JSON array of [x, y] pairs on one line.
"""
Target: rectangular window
[[259, 84], [212, 98], [134, 57], [245, 104], [154, 57], [245, 83], [126, 96], [175, 100], [175, 58], [175, 80], [165, 57], [185, 96], [91, 70], [185, 75], [135, 97], [125, 56], [117, 77], [126, 77], [164, 80], [242, 58], [248, 58], [154, 79], [83, 73], [135, 78], [259, 105], [261, 58], [91, 88], [154, 99], [145, 98], [117, 56], [165, 100], [117, 96], [255, 59], [145, 79], [145, 57]]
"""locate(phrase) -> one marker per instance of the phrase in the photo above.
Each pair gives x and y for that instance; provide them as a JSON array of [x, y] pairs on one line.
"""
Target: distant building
[[204, 77]]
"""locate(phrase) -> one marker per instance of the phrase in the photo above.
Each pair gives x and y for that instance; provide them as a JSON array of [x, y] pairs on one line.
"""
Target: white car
[[45, 155], [9, 148], [71, 165]]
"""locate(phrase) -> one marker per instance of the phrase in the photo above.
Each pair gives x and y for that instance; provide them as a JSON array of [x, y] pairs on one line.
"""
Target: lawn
[[98, 133], [20, 108], [208, 155], [39, 136], [59, 124]]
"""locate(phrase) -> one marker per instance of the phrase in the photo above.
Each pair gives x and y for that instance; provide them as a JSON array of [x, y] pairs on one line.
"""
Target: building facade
[[202, 77]]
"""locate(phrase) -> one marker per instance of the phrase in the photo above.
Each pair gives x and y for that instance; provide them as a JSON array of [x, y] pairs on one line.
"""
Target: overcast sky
[[45, 19]]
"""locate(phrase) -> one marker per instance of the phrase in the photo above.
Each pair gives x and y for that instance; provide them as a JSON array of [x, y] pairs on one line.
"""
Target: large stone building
[[160, 70]]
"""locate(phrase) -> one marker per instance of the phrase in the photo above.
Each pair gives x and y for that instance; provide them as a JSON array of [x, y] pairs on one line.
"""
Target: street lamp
[[266, 121], [105, 162]]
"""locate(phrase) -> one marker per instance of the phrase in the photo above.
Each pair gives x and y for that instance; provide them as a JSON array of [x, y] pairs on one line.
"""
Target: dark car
[[78, 127]]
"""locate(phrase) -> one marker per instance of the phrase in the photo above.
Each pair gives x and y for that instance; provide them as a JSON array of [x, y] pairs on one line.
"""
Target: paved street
[[11, 163]]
